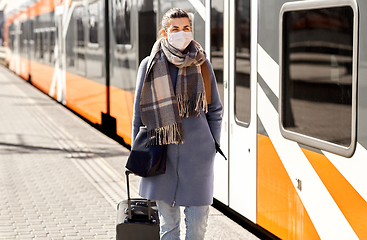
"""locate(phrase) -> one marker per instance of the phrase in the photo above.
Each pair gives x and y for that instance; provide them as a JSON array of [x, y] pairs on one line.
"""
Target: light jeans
[[196, 219]]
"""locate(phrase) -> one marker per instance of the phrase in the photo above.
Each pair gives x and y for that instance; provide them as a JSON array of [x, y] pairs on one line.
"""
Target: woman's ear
[[164, 34]]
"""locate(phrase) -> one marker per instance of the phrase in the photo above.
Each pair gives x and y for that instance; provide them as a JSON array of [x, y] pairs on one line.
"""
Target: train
[[292, 77]]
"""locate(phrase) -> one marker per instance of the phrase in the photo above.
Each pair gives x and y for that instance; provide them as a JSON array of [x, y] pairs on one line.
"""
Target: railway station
[[288, 90], [60, 178]]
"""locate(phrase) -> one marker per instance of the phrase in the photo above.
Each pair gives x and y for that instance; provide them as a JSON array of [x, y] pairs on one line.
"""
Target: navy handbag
[[146, 161]]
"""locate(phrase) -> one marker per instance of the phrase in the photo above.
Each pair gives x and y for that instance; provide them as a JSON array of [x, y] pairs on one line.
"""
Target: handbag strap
[[208, 92], [207, 82], [217, 147]]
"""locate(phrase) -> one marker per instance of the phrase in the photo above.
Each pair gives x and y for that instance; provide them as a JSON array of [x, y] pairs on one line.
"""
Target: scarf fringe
[[165, 135], [190, 105]]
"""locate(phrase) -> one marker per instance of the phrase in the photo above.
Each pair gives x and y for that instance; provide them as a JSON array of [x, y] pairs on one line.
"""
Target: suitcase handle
[[128, 172], [137, 210]]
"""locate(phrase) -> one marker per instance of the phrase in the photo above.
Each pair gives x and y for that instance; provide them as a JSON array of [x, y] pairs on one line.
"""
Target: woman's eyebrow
[[179, 27]]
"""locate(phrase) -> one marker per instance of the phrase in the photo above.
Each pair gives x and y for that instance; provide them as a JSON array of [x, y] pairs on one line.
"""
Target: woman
[[171, 101]]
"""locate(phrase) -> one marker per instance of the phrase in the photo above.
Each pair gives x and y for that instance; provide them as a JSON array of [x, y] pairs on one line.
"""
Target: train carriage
[[292, 80]]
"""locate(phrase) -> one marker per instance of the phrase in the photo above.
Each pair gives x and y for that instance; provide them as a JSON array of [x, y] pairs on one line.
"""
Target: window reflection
[[36, 45], [217, 43], [242, 77], [93, 22], [121, 21], [41, 44], [22, 38], [45, 44], [79, 58], [317, 73], [79, 26], [52, 46]]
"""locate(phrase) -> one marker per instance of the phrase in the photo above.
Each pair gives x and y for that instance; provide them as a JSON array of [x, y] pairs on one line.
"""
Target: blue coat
[[188, 180]]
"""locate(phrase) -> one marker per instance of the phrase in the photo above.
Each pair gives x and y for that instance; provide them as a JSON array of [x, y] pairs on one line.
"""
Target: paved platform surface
[[59, 177]]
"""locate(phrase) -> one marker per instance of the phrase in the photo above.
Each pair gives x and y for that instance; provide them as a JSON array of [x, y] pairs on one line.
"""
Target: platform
[[60, 178]]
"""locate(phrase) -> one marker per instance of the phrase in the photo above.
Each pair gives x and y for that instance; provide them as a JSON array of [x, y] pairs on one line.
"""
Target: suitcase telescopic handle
[[127, 172]]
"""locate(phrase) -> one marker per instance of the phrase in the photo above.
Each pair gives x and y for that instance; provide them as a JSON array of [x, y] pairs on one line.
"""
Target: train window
[[79, 26], [242, 77], [80, 33], [40, 45], [12, 41], [93, 22], [147, 28], [31, 29], [11, 38], [318, 75], [121, 21], [36, 44], [22, 37], [52, 46], [217, 57], [45, 43]]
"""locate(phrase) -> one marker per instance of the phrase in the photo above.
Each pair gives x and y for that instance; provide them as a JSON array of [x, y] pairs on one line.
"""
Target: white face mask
[[180, 40]]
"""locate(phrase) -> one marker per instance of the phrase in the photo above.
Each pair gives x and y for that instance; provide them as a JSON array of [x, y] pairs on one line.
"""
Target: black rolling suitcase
[[137, 218]]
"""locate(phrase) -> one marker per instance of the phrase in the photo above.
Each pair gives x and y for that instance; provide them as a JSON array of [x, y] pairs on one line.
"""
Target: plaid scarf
[[161, 109]]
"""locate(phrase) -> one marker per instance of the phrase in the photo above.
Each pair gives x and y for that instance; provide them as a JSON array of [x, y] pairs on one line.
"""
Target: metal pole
[[107, 53]]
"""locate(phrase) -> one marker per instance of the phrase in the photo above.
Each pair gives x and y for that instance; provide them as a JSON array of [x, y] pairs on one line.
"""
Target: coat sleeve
[[136, 110], [214, 114]]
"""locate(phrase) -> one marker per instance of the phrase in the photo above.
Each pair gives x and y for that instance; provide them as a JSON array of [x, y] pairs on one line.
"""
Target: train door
[[219, 38], [242, 107], [233, 56]]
